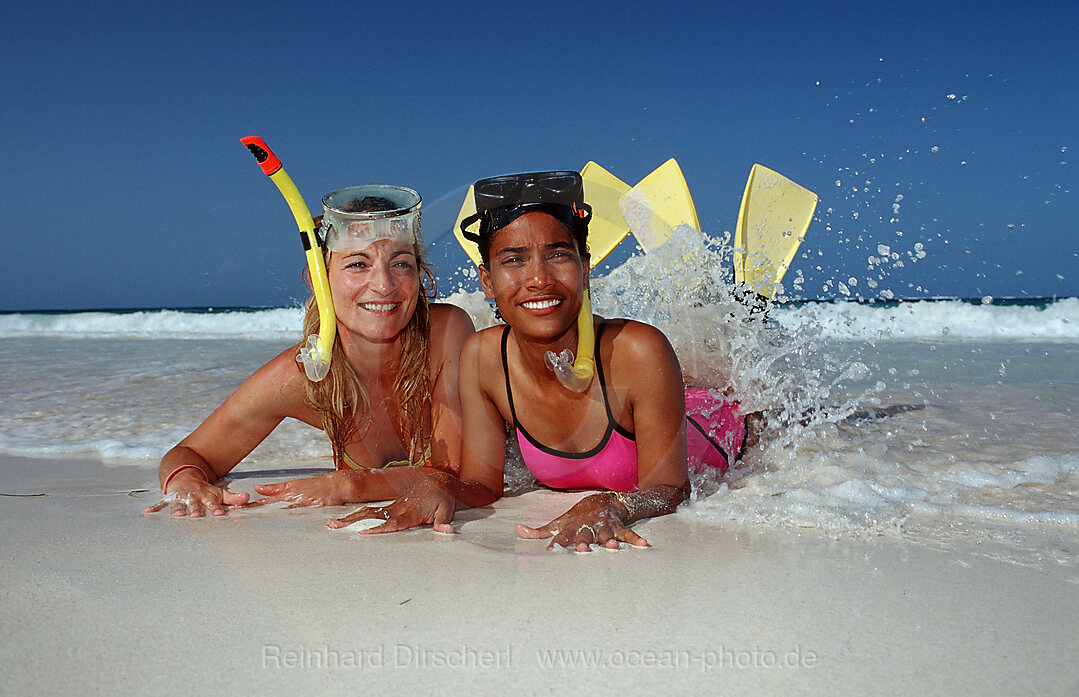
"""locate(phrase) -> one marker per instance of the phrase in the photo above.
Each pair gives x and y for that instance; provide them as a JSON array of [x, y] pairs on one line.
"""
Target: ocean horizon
[[1045, 318]]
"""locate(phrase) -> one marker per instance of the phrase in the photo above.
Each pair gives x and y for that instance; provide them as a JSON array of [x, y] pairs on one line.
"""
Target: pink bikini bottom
[[715, 430]]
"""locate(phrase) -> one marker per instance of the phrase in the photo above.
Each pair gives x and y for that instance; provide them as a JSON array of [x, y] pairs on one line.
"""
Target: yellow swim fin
[[772, 223], [608, 228], [658, 204], [468, 207]]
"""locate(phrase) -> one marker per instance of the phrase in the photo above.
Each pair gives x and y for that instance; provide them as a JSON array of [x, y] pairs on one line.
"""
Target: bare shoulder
[[447, 316], [277, 388], [450, 326], [282, 371], [638, 357], [484, 342], [482, 352], [635, 345]]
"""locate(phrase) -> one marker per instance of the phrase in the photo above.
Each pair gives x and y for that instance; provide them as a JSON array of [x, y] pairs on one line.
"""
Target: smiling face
[[375, 289], [536, 275]]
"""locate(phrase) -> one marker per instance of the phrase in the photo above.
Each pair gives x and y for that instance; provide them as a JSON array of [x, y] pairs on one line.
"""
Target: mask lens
[[560, 186], [498, 191]]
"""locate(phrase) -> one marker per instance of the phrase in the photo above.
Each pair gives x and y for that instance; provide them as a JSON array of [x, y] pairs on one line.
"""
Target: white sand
[[100, 598]]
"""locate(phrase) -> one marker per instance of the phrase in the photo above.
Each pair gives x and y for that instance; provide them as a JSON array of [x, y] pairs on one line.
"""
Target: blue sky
[[125, 184]]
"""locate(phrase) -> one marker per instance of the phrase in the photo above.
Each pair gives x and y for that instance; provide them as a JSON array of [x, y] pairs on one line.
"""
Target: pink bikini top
[[611, 465]]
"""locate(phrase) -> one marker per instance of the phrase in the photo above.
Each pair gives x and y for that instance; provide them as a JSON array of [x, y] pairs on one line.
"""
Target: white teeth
[[379, 307], [542, 304]]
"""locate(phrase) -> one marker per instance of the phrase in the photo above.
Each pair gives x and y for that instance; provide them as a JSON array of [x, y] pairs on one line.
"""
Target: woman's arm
[[657, 402], [190, 469], [450, 328]]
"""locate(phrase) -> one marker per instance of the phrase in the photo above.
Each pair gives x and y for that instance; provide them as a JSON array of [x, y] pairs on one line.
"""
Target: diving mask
[[501, 200], [360, 215], [534, 187]]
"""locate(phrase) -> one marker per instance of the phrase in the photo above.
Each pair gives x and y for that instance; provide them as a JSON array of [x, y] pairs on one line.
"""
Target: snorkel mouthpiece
[[315, 358], [315, 355], [576, 375]]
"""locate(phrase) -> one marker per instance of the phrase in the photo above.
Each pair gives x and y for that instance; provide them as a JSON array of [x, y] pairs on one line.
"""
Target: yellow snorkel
[[576, 374], [315, 355]]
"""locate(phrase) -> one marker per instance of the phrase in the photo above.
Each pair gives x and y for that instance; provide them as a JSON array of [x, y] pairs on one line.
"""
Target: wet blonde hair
[[342, 402]]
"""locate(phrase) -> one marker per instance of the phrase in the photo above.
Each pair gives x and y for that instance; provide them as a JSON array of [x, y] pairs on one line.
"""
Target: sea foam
[[1046, 320]]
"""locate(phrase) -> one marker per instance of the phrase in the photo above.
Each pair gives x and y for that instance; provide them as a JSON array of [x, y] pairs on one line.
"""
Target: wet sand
[[100, 598]]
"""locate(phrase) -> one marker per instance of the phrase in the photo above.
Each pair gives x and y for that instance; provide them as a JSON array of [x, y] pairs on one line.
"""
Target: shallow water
[[986, 444], [991, 450], [994, 445]]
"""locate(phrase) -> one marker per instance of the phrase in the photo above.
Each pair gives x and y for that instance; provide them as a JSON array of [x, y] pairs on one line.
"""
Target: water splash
[[782, 369]]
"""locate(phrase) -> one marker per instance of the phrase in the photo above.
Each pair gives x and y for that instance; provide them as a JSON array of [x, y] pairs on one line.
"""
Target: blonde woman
[[391, 397]]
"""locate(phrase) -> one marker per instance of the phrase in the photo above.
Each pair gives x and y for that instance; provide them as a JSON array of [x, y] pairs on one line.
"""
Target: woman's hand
[[427, 502], [330, 489], [596, 519], [194, 496]]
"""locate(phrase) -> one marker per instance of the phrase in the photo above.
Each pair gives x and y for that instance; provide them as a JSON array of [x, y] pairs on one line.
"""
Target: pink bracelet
[[179, 469]]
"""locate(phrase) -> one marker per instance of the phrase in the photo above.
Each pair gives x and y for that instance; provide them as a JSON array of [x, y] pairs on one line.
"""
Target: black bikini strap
[[599, 374], [506, 371]]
